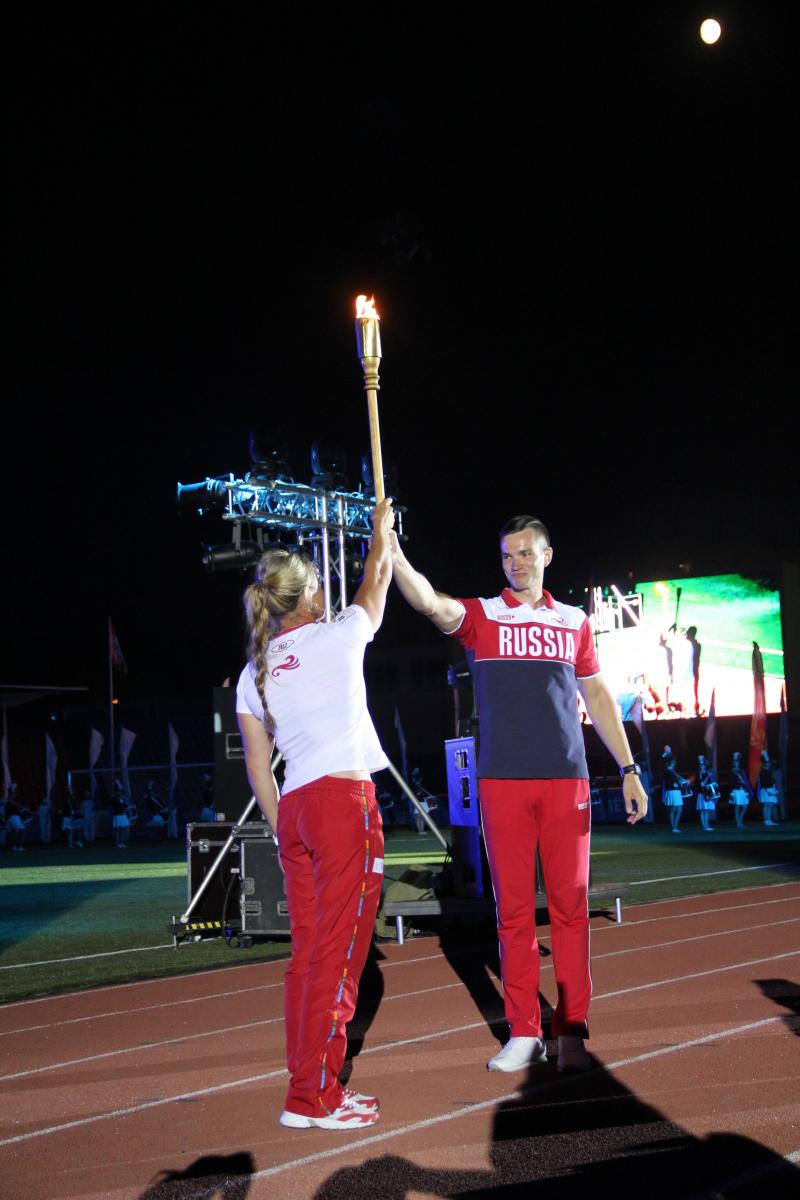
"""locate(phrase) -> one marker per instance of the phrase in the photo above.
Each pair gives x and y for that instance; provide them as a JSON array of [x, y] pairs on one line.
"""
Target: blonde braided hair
[[282, 576]]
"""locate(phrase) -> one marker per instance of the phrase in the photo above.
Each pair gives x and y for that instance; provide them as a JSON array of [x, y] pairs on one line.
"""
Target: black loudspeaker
[[263, 904], [469, 873], [204, 840], [231, 789], [246, 893]]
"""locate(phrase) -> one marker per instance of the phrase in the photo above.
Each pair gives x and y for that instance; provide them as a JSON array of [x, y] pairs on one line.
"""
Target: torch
[[368, 343]]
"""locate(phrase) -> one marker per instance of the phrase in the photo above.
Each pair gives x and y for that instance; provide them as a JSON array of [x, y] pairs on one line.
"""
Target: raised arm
[[371, 595], [604, 714], [445, 612]]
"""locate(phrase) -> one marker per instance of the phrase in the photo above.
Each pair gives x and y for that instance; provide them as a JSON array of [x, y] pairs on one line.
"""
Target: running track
[[172, 1088]]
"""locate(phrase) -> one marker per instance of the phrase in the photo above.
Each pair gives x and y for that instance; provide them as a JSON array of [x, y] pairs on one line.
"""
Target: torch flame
[[365, 307]]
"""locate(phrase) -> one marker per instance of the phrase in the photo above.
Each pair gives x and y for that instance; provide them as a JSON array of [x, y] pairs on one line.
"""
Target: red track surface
[[157, 1088]]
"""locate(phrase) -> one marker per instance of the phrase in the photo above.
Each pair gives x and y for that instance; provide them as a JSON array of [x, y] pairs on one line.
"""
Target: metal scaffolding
[[334, 526]]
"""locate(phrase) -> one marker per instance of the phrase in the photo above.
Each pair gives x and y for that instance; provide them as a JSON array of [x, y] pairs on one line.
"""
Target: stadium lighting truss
[[334, 525]]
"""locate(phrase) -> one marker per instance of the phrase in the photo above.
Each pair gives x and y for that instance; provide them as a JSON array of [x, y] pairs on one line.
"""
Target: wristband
[[631, 769]]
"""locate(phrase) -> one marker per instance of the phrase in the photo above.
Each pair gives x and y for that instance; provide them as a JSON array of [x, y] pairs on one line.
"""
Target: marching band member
[[674, 785], [741, 792], [767, 791], [707, 793]]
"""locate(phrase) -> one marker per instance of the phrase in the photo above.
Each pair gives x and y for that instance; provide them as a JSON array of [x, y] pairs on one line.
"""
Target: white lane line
[[221, 1087], [92, 1058], [124, 1012], [469, 1109], [698, 912], [239, 966], [404, 962], [49, 962], [190, 1037], [386, 999], [700, 937], [701, 1041], [738, 891], [643, 987], [179, 976], [706, 874], [136, 1108]]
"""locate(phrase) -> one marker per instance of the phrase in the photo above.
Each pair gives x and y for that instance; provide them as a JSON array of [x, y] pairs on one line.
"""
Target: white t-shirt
[[317, 699]]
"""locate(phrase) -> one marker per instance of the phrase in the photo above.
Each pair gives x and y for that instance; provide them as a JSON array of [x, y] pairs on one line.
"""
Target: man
[[531, 654]]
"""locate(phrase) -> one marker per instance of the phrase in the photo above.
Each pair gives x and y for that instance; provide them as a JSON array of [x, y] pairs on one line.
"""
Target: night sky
[[580, 229]]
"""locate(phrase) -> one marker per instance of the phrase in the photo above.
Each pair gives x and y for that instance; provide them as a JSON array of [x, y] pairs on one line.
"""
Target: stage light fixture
[[328, 466], [269, 463], [209, 496], [230, 557], [237, 555], [366, 474], [389, 477], [354, 566]]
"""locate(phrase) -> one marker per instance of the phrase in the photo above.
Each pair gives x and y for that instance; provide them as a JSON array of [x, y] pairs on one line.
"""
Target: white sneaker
[[359, 1100], [347, 1116], [517, 1053]]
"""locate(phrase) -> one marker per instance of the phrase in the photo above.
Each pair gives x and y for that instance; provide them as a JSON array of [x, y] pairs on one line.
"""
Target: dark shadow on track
[[212, 1177], [569, 1137], [786, 993], [370, 995], [472, 951]]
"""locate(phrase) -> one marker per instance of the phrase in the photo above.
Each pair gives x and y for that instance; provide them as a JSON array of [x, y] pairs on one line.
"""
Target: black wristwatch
[[631, 769]]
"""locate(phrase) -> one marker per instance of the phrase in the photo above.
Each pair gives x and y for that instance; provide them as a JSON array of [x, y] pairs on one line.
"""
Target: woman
[[707, 793], [673, 790], [740, 790], [767, 791], [121, 823], [303, 689]]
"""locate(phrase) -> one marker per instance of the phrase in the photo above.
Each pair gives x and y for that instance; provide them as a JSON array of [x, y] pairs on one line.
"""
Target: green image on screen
[[692, 638]]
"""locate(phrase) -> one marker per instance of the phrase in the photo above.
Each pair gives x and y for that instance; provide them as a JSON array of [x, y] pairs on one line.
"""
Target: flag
[[95, 746], [710, 733], [401, 739], [783, 736], [126, 740], [50, 764], [173, 768], [758, 725], [6, 768], [115, 650], [636, 715]]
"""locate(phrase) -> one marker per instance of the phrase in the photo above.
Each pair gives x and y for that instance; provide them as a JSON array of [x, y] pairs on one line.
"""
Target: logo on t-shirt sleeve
[[279, 647], [289, 664]]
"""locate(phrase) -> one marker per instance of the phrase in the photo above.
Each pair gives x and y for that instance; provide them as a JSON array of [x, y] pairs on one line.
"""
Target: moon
[[710, 31]]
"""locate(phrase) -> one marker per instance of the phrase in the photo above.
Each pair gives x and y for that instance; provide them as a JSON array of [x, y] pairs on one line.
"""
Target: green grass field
[[70, 921]]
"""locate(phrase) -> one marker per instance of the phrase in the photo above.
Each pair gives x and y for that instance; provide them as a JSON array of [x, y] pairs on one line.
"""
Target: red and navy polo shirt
[[525, 665]]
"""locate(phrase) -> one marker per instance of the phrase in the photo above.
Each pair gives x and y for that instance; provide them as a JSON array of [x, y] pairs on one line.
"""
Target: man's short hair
[[517, 524]]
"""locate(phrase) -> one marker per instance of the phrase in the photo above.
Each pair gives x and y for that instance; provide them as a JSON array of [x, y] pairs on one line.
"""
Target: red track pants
[[331, 847], [518, 814]]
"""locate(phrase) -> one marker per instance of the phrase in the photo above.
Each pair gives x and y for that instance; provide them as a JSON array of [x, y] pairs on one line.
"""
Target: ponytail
[[281, 579]]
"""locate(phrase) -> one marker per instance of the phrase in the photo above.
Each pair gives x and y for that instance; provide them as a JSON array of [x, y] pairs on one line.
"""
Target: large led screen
[[686, 638]]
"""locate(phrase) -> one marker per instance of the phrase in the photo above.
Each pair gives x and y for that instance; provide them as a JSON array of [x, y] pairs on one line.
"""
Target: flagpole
[[110, 703]]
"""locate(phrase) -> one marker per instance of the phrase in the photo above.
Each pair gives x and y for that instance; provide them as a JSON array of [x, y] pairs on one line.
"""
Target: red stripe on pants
[[330, 835], [517, 815]]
